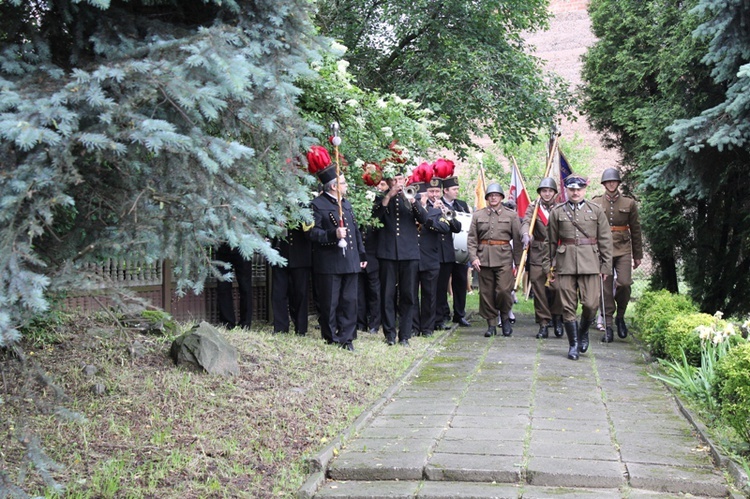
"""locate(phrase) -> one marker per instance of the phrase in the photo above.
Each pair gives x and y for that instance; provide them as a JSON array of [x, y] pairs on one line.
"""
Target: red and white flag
[[518, 192]]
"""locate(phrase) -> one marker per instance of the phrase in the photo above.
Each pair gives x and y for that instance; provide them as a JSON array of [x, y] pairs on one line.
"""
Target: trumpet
[[448, 214], [409, 192]]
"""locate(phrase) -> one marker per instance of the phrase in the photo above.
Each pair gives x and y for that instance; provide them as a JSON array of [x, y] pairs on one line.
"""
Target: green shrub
[[733, 387], [680, 336], [652, 314]]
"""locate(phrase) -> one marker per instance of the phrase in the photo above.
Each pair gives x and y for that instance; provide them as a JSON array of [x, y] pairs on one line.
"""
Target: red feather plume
[[317, 159], [443, 168]]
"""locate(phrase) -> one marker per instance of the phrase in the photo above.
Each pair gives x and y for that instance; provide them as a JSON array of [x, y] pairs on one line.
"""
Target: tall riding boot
[[507, 329], [608, 335], [557, 323], [622, 328], [491, 331], [583, 335], [571, 328]]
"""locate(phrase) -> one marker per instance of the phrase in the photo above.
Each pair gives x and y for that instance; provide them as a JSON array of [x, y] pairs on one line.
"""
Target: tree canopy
[[663, 82], [467, 61], [145, 130]]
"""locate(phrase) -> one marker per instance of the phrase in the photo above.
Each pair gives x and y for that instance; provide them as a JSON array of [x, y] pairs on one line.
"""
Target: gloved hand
[[525, 238]]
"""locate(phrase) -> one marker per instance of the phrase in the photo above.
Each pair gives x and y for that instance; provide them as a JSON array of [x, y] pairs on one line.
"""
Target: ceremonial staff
[[547, 170], [336, 141]]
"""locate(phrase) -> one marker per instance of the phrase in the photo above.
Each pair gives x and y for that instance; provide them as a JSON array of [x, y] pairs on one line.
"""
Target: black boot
[[542, 334], [557, 323], [622, 328], [608, 335], [583, 335], [571, 328], [491, 330], [507, 329]]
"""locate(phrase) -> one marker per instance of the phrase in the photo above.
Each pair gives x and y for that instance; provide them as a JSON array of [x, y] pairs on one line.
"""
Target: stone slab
[[418, 407], [485, 446], [410, 421], [396, 445], [674, 479], [566, 436], [397, 432], [471, 434], [364, 466], [554, 472], [490, 422], [540, 448], [468, 490], [474, 468], [370, 490]]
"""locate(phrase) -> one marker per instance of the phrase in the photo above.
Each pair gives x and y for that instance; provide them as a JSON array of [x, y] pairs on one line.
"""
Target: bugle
[[410, 192]]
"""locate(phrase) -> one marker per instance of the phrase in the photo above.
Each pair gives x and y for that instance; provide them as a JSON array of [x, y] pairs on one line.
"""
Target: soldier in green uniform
[[578, 257], [622, 215], [494, 247], [547, 307]]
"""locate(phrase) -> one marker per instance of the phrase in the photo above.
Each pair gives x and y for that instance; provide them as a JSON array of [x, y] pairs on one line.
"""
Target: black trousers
[[401, 276], [368, 301], [457, 275], [243, 275], [290, 296], [424, 320], [337, 302]]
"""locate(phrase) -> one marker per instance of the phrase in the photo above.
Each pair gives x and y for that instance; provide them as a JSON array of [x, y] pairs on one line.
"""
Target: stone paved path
[[513, 417]]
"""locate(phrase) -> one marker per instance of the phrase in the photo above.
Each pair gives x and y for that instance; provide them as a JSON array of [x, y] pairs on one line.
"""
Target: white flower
[[729, 330], [719, 314], [746, 324], [370, 195], [389, 170], [387, 131], [342, 66], [352, 103], [381, 103], [359, 162], [337, 47], [704, 332], [442, 136]]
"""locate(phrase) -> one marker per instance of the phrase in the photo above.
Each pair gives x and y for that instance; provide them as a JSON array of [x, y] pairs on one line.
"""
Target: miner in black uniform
[[290, 283], [241, 269], [457, 274], [430, 234], [338, 257], [398, 254]]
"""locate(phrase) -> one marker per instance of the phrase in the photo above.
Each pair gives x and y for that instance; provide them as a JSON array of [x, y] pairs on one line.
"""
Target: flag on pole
[[518, 192], [564, 172], [479, 191]]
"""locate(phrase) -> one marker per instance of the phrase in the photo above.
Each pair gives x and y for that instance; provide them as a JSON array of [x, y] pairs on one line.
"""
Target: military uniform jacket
[[539, 237], [295, 247], [398, 237], [622, 215], [568, 248], [447, 248], [327, 256], [430, 234], [487, 231]]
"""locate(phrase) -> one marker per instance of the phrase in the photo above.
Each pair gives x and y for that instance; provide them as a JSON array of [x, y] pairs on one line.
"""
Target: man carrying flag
[[547, 309]]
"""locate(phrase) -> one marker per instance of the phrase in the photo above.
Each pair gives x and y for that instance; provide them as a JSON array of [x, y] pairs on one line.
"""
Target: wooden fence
[[153, 281]]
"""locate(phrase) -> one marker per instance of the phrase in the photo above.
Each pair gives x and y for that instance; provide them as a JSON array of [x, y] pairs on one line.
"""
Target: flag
[[479, 191], [564, 172], [518, 192]]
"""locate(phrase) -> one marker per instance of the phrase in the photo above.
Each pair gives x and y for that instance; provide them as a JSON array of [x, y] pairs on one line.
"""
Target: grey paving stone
[[474, 468], [488, 446], [558, 472], [418, 406], [570, 450], [561, 435], [369, 490], [468, 490], [696, 481], [398, 432], [411, 421], [395, 445], [364, 466]]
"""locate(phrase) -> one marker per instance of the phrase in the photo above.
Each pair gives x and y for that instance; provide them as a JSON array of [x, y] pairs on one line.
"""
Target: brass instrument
[[448, 214], [409, 192]]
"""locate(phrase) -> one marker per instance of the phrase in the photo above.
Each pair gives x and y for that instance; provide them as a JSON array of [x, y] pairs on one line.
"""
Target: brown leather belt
[[578, 242], [494, 242], [619, 227]]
